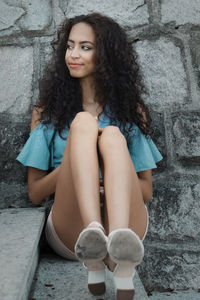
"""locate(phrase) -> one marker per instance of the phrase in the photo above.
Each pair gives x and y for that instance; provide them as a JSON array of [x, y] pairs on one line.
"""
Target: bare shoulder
[[36, 117]]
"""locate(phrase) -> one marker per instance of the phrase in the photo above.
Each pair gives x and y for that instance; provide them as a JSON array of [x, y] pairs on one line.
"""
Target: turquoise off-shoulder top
[[41, 152]]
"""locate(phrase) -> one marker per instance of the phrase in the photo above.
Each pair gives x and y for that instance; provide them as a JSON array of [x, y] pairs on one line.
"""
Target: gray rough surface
[[187, 145], [13, 134], [9, 15], [19, 238], [158, 125], [163, 70], [59, 279], [38, 15], [180, 11], [169, 57], [171, 246], [14, 195], [195, 53], [135, 15], [16, 79], [176, 197], [176, 295], [26, 16], [171, 264]]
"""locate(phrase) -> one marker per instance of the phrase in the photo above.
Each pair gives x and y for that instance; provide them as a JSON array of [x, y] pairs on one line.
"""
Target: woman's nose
[[75, 52]]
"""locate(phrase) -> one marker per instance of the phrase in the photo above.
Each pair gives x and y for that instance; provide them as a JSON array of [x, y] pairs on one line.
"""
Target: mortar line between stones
[[190, 73]]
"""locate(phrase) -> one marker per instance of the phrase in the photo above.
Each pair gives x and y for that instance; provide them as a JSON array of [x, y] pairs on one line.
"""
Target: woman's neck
[[88, 91], [89, 101]]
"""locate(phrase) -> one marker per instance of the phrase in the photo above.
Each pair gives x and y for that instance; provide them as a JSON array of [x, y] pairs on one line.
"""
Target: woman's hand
[[100, 129]]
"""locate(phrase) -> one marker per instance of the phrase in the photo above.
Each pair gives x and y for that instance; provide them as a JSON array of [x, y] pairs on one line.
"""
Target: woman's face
[[80, 52]]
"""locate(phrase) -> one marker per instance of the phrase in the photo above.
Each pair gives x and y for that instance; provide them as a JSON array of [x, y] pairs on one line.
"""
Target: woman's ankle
[[95, 224]]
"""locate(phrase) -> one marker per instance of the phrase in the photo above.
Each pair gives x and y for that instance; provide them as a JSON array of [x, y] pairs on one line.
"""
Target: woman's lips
[[75, 65]]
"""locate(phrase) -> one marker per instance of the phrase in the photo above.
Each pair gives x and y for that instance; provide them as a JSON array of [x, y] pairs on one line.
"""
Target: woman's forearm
[[146, 188], [41, 184]]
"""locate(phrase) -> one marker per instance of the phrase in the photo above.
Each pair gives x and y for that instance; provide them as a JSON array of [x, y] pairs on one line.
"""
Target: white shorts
[[59, 247], [55, 242]]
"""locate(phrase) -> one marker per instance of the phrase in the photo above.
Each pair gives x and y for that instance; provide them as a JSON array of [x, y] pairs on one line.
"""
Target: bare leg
[[85, 167], [77, 200], [124, 205], [124, 201]]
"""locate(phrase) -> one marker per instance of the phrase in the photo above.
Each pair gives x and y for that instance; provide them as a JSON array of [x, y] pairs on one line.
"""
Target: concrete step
[[20, 231], [59, 279], [176, 295]]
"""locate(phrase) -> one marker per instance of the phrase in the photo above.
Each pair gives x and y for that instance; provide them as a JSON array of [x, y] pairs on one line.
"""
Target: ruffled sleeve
[[37, 150], [143, 151]]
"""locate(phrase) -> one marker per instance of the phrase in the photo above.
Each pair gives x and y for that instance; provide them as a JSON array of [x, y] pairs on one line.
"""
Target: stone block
[[128, 13], [165, 268], [163, 70], [180, 11], [27, 16], [14, 131], [174, 210], [16, 79], [172, 243], [57, 278], [38, 15], [176, 295], [186, 135], [9, 15], [13, 195], [58, 15], [19, 236]]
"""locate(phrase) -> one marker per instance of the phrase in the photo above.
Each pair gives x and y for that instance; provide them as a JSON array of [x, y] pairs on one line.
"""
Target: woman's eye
[[69, 46], [82, 47], [86, 47]]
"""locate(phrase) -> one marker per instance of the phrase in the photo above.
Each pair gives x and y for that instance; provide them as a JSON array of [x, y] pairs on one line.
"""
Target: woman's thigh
[[138, 214], [66, 216]]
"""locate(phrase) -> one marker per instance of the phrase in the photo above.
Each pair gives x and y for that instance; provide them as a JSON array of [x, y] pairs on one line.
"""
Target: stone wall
[[166, 35]]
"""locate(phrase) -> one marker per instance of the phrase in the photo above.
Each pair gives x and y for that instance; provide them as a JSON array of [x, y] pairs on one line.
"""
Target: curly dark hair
[[118, 83]]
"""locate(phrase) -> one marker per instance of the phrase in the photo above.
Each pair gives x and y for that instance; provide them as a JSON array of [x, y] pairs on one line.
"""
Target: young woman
[[92, 128]]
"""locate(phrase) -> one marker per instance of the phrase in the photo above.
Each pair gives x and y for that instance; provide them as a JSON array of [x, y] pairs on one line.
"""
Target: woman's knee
[[84, 121], [111, 136]]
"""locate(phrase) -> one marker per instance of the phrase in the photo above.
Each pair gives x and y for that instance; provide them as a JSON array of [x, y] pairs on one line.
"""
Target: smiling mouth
[[75, 65]]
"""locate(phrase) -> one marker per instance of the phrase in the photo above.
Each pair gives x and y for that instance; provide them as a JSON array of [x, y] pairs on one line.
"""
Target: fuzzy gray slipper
[[91, 249], [91, 245], [126, 250], [125, 245]]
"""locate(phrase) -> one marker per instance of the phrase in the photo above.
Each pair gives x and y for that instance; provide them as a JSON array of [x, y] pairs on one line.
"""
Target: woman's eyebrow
[[82, 42]]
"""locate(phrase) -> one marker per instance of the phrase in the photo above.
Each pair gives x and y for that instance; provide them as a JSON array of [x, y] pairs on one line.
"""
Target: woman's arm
[[145, 179], [40, 184]]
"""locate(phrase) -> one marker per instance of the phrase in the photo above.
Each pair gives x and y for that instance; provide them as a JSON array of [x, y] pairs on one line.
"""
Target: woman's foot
[[91, 249], [126, 250]]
